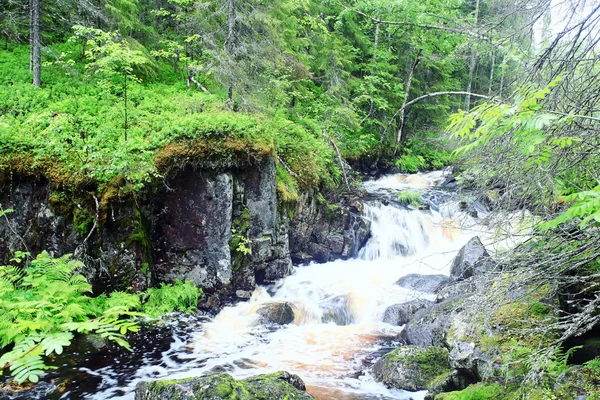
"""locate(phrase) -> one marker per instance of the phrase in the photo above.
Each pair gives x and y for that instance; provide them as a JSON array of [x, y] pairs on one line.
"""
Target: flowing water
[[338, 307]]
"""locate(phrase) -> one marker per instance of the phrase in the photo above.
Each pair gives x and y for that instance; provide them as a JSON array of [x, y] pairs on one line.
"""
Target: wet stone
[[276, 313]]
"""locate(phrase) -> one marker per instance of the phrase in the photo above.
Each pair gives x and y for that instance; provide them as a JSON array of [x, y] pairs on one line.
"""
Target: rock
[[41, 390], [471, 361], [301, 258], [337, 310], [279, 385], [191, 239], [471, 260], [96, 341], [400, 314], [276, 313], [429, 327], [422, 283], [449, 183], [327, 231], [412, 368], [454, 290], [449, 382]]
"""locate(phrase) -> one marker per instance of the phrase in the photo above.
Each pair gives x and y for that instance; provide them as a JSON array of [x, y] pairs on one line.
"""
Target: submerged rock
[[400, 314], [472, 259], [412, 367], [276, 313], [337, 310], [422, 283], [279, 385]]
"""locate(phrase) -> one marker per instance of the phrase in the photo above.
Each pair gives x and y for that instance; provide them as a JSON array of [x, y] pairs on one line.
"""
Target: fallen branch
[[406, 105], [191, 79]]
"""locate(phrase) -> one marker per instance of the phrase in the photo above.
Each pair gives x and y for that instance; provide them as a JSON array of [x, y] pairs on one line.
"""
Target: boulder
[[471, 361], [412, 368], [422, 283], [472, 259], [428, 327], [279, 385], [276, 313], [454, 290], [400, 314]]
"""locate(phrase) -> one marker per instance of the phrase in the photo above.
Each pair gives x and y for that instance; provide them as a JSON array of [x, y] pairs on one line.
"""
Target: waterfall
[[338, 306]]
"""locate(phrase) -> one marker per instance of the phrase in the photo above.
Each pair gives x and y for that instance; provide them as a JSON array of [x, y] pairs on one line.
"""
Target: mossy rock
[[412, 367], [279, 385]]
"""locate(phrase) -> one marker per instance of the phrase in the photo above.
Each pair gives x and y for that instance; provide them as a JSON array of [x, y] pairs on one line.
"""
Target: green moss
[[60, 202], [83, 221], [224, 387], [476, 392], [287, 186], [432, 361], [239, 232]]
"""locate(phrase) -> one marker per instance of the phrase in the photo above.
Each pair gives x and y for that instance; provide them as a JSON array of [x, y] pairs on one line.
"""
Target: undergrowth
[[44, 304], [72, 131]]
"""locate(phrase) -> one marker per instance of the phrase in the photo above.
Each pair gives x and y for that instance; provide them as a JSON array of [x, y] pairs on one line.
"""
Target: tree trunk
[[472, 63], [30, 35], [125, 98], [492, 72], [502, 76], [375, 46], [230, 44], [35, 43], [401, 136]]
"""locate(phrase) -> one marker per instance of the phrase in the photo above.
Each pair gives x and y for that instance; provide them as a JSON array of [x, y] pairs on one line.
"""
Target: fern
[[45, 304], [180, 297]]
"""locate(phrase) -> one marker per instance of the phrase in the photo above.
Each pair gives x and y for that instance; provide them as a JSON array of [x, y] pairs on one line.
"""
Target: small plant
[[409, 197], [241, 243], [182, 296]]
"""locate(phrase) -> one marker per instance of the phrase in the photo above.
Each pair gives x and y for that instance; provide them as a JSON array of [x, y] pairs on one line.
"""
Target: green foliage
[[182, 296], [409, 197], [492, 391], [44, 304], [411, 163], [536, 134]]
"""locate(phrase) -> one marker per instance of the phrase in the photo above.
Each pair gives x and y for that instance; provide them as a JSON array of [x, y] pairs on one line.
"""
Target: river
[[338, 307]]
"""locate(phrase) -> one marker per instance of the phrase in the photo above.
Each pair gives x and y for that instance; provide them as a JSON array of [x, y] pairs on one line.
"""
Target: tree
[[112, 55], [35, 42]]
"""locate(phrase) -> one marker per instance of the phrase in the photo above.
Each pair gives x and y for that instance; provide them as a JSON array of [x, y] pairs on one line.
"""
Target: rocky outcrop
[[279, 385], [400, 314], [448, 324], [220, 228], [324, 232], [422, 283], [412, 368]]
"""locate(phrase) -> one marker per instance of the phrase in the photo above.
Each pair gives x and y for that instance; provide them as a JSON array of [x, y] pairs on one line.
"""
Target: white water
[[329, 357]]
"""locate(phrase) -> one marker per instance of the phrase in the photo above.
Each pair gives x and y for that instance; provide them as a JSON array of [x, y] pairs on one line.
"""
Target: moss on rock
[[412, 367], [279, 385]]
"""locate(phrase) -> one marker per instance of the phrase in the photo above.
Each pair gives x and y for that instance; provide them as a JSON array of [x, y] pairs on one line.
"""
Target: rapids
[[337, 333]]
